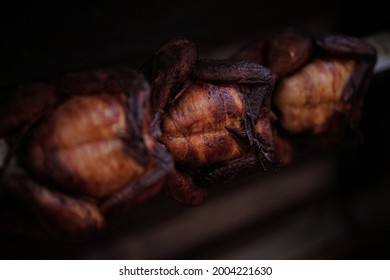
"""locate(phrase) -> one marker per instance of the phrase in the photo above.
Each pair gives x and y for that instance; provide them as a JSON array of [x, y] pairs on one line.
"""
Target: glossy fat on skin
[[194, 129], [80, 146], [308, 99]]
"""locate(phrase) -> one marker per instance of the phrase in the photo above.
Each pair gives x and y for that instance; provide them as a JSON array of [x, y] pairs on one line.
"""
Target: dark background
[[347, 217], [38, 41]]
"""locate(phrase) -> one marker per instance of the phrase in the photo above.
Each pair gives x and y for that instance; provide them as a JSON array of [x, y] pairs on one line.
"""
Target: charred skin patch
[[288, 50], [194, 129]]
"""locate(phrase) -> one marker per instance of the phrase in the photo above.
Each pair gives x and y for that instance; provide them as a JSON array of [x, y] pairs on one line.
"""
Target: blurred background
[[333, 206]]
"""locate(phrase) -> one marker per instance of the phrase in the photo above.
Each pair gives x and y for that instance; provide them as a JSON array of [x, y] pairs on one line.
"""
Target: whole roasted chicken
[[90, 145]]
